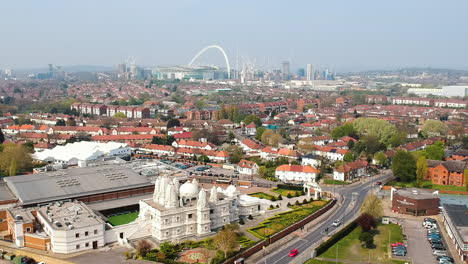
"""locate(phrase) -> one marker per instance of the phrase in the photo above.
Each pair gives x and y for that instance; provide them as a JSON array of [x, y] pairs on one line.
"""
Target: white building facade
[[189, 212]]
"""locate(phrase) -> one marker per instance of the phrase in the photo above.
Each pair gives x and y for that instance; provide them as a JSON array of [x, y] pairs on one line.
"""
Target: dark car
[[444, 258], [438, 247]]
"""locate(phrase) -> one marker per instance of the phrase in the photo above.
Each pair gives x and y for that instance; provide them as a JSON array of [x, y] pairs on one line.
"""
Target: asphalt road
[[350, 207]]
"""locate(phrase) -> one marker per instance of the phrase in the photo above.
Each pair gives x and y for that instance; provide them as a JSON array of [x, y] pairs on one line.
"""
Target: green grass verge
[[349, 247], [335, 182], [317, 261], [263, 195], [282, 220], [427, 185], [123, 219]]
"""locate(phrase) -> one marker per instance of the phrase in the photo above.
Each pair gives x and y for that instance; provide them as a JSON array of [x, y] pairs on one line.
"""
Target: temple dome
[[188, 190]]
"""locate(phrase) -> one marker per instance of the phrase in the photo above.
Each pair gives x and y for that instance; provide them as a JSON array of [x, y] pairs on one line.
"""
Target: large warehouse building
[[87, 184]]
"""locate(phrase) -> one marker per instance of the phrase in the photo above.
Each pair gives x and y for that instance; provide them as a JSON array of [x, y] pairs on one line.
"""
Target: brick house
[[450, 172]]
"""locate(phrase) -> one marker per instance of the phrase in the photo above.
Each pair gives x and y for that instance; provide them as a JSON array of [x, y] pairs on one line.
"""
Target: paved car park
[[421, 252], [418, 241]]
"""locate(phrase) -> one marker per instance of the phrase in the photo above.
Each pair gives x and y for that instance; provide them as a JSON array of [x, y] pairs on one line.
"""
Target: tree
[[349, 156], [236, 155], [83, 136], [203, 158], [168, 249], [350, 144], [380, 159], [397, 139], [225, 240], [120, 115], [404, 166], [207, 253], [465, 142], [2, 137], [369, 144], [373, 206], [222, 112], [210, 136], [60, 122], [367, 239], [344, 130], [200, 104], [173, 122], [260, 131], [366, 222], [375, 127], [433, 128], [14, 159], [421, 170], [70, 122], [252, 118], [435, 151], [231, 136], [270, 138], [143, 247]]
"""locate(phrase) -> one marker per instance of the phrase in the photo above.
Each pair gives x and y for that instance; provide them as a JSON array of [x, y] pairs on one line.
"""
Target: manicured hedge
[[335, 238], [290, 187]]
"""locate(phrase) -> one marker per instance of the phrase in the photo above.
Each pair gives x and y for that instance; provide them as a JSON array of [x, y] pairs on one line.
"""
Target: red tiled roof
[[183, 135], [251, 125], [246, 164], [158, 147], [125, 137], [297, 168], [251, 144]]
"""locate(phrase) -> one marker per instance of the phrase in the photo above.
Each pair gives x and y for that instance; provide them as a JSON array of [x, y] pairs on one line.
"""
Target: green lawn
[[335, 182], [285, 192], [427, 185], [123, 219], [263, 195], [282, 220], [349, 247]]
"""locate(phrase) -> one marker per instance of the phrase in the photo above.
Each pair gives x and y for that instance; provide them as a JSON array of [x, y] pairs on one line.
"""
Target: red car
[[293, 253], [378, 183]]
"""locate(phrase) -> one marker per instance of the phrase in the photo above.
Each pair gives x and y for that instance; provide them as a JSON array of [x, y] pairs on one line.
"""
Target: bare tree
[[209, 254], [143, 247], [372, 205], [225, 240]]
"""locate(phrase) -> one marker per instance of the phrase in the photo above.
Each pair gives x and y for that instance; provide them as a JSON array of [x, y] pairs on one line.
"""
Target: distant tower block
[[285, 70], [310, 72]]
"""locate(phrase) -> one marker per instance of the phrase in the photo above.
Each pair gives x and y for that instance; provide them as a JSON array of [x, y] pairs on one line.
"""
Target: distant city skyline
[[341, 36]]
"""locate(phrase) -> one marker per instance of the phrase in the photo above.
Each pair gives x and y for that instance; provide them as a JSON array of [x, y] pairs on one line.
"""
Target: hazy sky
[[343, 35]]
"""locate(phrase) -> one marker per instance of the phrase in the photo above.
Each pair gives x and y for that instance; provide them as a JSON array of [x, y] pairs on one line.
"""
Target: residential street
[[350, 201]]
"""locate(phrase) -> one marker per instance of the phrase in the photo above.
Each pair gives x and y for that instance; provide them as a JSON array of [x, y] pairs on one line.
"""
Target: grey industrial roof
[[458, 213], [416, 193], [5, 193], [74, 182]]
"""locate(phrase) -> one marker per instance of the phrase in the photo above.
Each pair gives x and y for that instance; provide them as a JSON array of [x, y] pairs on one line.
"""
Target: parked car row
[[399, 249], [435, 239], [203, 168], [184, 165]]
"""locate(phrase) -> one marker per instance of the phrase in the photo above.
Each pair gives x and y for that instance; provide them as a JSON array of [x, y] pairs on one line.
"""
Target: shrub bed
[[282, 220]]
